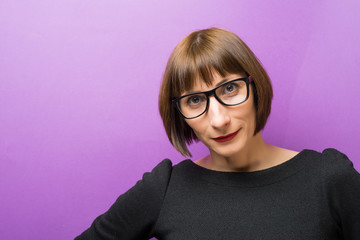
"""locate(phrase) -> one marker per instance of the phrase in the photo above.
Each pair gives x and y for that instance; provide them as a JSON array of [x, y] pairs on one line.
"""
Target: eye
[[230, 88], [195, 100]]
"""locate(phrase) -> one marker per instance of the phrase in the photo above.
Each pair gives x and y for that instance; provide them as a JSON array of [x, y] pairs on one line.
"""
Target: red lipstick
[[226, 138]]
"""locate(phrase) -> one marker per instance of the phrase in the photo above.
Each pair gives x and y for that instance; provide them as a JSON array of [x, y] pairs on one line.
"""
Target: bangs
[[200, 62]]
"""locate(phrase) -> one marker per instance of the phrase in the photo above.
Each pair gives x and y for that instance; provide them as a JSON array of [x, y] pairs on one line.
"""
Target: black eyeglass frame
[[209, 93]]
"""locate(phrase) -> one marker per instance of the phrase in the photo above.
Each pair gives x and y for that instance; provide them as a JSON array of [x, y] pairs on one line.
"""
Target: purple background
[[79, 82]]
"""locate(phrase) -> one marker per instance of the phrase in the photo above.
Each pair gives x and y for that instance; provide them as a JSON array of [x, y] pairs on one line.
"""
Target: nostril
[[219, 119]]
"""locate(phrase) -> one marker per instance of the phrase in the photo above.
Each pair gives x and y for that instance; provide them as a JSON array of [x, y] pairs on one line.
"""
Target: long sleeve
[[135, 212], [343, 193]]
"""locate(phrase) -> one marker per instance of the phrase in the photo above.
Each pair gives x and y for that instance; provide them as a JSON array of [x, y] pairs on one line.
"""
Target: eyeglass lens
[[232, 93]]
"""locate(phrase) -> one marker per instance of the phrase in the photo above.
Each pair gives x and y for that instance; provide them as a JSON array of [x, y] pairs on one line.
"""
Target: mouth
[[226, 138]]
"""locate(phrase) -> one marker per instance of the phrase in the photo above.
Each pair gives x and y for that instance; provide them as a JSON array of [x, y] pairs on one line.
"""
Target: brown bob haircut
[[198, 56]]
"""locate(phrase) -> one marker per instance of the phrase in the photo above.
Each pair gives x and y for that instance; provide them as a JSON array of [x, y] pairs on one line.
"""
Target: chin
[[229, 150]]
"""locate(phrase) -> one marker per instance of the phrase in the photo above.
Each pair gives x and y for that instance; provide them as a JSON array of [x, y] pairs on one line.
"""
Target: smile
[[227, 137]]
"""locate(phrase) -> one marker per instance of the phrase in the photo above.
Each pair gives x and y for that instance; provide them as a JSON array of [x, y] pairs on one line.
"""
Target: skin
[[245, 152]]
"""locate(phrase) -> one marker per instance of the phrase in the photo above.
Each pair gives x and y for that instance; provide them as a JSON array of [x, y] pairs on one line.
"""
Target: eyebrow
[[226, 79], [222, 81]]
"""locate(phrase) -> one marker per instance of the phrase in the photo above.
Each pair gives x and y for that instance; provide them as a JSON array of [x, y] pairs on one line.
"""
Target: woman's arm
[[343, 193], [134, 213]]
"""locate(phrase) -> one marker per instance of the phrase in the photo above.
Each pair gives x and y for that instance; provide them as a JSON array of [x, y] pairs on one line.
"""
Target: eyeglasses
[[230, 93]]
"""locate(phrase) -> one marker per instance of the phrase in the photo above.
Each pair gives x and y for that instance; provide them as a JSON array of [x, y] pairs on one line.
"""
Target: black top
[[311, 196]]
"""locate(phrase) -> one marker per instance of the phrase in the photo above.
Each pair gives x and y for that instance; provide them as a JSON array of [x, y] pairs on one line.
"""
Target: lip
[[226, 138]]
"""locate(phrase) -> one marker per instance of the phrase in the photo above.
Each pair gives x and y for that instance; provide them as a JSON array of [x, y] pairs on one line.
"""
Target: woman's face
[[225, 130]]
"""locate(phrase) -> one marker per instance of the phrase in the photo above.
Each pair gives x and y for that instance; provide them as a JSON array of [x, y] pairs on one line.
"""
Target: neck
[[254, 156]]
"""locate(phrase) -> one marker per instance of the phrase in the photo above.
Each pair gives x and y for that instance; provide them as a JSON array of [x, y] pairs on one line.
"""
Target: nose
[[218, 114]]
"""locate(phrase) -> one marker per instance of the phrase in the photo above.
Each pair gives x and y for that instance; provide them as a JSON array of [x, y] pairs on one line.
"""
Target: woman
[[215, 90]]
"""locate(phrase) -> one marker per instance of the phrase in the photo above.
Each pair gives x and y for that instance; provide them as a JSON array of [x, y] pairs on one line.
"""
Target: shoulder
[[329, 159], [338, 170], [329, 165], [342, 190], [180, 173], [333, 156], [159, 177], [165, 169], [335, 162], [153, 184], [161, 171]]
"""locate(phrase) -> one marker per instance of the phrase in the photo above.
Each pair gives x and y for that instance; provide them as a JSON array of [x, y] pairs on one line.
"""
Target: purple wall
[[71, 142]]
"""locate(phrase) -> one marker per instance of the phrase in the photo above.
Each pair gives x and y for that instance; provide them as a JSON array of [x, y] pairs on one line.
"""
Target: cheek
[[252, 121], [246, 114], [197, 126]]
